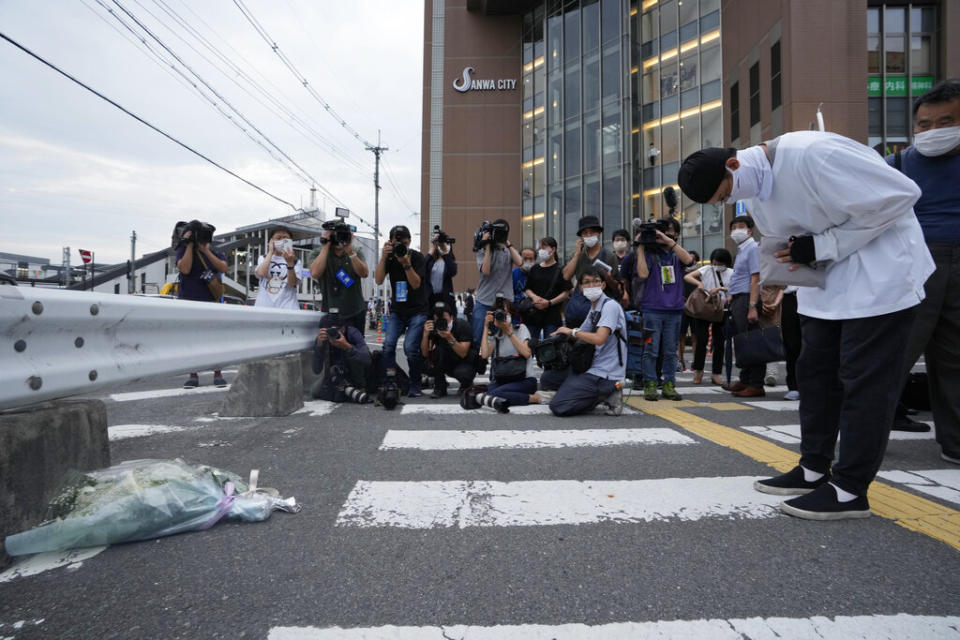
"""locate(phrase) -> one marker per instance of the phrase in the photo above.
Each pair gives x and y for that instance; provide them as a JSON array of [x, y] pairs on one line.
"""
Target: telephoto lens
[[500, 315], [357, 395], [333, 333], [399, 249]]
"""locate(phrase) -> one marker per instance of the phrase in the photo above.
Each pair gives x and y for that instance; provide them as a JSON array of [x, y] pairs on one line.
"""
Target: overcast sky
[[77, 172]]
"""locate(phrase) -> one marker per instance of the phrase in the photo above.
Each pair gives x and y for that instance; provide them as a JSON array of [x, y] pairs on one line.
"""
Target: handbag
[[759, 346], [508, 369], [214, 284], [704, 306], [773, 271]]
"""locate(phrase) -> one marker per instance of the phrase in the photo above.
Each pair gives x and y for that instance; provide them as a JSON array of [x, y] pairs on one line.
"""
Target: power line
[[289, 65], [141, 120]]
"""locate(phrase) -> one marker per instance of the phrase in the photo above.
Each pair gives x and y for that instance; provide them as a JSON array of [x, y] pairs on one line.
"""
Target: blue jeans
[[411, 344], [517, 393], [663, 332], [479, 319]]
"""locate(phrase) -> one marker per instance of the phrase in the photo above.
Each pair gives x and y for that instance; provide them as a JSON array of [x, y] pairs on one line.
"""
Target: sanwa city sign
[[465, 82]]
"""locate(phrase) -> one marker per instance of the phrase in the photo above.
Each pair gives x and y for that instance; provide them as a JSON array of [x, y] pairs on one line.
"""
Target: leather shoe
[[750, 392], [735, 387]]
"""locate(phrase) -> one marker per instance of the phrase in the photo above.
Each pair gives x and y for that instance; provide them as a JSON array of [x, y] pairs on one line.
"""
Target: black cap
[[399, 231], [702, 172], [589, 222]]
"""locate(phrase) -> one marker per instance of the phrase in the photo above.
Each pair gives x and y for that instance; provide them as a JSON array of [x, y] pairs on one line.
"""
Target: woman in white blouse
[[712, 278], [505, 339]]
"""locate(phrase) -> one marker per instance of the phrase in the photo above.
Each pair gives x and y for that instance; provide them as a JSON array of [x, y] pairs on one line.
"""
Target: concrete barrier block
[[38, 445], [272, 387]]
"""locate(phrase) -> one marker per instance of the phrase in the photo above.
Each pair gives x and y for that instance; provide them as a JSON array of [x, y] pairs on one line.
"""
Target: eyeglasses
[[591, 283]]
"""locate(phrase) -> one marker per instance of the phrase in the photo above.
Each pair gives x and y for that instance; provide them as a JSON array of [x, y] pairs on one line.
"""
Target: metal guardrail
[[56, 343]]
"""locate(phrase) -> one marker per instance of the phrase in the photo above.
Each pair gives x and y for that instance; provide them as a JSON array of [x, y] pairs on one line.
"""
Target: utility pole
[[132, 273], [377, 151], [65, 269]]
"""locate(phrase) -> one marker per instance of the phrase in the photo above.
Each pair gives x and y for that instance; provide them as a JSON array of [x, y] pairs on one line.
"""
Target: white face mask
[[739, 235], [590, 241], [526, 266], [592, 293], [544, 254], [444, 250], [620, 245], [936, 142], [719, 268], [754, 178]]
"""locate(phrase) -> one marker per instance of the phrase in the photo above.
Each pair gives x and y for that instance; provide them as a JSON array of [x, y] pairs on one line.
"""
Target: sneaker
[[439, 391], [954, 460], [614, 403], [907, 424], [822, 504], [650, 391], [669, 392], [792, 395], [790, 483], [770, 381], [191, 383], [219, 382], [414, 393]]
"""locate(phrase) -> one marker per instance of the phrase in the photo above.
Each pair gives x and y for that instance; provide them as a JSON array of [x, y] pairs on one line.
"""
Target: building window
[[775, 96], [735, 111], [755, 94]]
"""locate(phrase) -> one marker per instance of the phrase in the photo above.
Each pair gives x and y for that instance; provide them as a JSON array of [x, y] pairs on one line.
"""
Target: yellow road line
[[907, 510]]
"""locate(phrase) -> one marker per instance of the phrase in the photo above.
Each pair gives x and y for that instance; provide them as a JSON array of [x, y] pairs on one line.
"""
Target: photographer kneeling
[[511, 376], [603, 329], [445, 347], [341, 359]]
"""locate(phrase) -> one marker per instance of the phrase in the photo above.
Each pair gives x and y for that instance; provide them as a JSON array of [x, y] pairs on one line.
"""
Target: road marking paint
[[26, 566], [727, 406], [790, 433], [448, 409], [163, 393], [905, 509], [943, 484], [459, 503], [878, 627], [775, 405], [442, 440], [124, 431], [318, 408]]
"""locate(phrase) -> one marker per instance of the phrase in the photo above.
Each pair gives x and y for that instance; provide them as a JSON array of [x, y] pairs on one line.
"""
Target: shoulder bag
[[773, 271], [704, 306], [759, 346], [508, 369]]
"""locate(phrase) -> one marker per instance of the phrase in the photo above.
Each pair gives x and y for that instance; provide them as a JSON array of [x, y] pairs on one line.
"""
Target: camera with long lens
[[552, 353], [399, 249], [440, 236], [389, 391], [200, 233], [439, 320], [344, 391], [648, 232], [341, 233], [500, 308], [498, 234]]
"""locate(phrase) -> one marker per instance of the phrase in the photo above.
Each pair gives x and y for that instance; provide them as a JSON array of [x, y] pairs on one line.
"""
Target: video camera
[[341, 233], [440, 236], [498, 234], [553, 353], [648, 232], [200, 233]]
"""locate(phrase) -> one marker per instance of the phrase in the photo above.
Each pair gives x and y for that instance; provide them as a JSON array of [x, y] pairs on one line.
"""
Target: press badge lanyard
[[667, 272]]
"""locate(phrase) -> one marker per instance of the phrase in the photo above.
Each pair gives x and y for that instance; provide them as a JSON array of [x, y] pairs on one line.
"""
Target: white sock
[[810, 476], [843, 496]]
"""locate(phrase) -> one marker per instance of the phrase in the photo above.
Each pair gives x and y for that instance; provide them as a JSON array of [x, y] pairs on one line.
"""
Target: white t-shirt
[[274, 291], [712, 277], [507, 348]]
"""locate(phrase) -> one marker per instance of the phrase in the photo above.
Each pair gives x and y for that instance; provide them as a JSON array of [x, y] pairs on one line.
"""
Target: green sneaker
[[650, 391], [669, 392]]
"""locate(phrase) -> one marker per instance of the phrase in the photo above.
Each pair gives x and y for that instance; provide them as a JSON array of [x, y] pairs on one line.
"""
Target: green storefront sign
[[897, 85]]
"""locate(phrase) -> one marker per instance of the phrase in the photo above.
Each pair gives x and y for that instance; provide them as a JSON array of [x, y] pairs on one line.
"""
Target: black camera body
[[440, 324], [389, 391], [341, 233], [400, 249], [553, 353], [500, 308], [498, 234], [648, 232], [200, 233], [440, 236], [333, 333]]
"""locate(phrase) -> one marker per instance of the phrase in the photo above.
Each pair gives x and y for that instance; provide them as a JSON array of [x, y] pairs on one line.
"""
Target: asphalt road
[[512, 540]]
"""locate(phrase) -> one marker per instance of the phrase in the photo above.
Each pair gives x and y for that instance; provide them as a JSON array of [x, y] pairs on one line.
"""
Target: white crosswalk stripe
[[466, 440]]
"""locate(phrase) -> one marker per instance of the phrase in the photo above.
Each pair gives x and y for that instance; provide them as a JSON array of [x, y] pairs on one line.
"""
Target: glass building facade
[[901, 65], [615, 93]]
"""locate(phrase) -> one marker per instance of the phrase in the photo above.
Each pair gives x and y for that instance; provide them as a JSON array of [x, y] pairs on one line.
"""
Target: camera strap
[[616, 332]]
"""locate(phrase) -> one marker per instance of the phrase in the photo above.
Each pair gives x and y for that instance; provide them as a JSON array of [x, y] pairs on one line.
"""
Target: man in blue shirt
[[744, 302], [605, 327], [933, 162]]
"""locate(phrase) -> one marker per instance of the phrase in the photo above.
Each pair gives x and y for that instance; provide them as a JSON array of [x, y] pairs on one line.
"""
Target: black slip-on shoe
[[822, 504], [790, 483], [906, 424]]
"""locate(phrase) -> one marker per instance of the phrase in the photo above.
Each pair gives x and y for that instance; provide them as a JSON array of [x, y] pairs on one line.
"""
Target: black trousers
[[848, 374], [790, 329], [700, 331], [739, 308], [444, 362]]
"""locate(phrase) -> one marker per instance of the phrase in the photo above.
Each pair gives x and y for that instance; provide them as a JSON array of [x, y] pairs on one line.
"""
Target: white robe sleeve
[[862, 196]]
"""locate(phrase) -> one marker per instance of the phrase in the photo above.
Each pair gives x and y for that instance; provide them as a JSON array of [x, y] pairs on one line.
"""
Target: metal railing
[[56, 343]]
